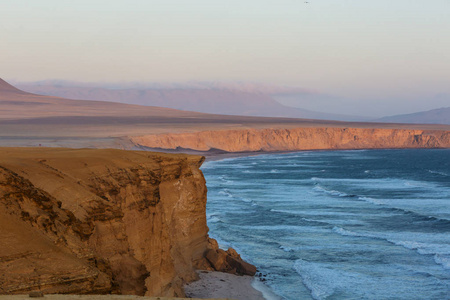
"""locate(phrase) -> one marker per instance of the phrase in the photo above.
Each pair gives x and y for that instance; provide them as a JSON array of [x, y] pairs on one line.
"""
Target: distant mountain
[[6, 88], [217, 100], [434, 116], [16, 104]]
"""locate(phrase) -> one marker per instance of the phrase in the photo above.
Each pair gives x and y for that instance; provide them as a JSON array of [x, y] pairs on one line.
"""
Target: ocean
[[370, 224]]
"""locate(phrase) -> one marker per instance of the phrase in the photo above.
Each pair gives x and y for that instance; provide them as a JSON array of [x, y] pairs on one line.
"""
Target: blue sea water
[[372, 224]]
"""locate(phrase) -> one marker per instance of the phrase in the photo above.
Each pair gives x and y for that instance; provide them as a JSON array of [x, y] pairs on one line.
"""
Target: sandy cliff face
[[100, 221], [297, 139]]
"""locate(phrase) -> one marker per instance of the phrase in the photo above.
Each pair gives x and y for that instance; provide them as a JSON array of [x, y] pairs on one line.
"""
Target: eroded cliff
[[304, 138], [101, 221]]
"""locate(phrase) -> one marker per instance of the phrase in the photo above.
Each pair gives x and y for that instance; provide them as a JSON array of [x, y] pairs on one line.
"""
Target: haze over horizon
[[360, 57], [140, 139]]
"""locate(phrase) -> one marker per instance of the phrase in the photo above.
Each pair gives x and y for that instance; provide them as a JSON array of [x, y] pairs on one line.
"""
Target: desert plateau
[[29, 120], [134, 222], [229, 150]]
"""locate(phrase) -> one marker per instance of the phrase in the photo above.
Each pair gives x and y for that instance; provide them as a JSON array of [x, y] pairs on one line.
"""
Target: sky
[[366, 52]]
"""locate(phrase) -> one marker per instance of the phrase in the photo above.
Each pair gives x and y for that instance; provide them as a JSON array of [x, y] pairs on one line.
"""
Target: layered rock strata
[[101, 221], [270, 140]]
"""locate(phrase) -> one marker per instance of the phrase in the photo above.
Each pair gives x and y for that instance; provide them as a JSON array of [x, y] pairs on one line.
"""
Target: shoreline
[[214, 284], [216, 155]]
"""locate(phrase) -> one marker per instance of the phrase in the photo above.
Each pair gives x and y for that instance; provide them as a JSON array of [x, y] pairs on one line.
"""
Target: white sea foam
[[223, 178], [328, 281], [268, 294], [226, 192], [439, 173], [341, 258], [346, 232], [290, 228], [214, 219], [289, 249], [322, 280], [443, 260], [424, 248], [321, 189], [373, 201], [441, 252], [432, 208], [386, 184], [417, 184], [312, 279]]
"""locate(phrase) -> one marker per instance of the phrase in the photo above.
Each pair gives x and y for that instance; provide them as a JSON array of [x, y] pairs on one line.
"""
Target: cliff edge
[[295, 139], [102, 221]]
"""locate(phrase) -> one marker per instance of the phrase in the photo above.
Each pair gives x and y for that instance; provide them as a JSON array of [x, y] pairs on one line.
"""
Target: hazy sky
[[359, 49]]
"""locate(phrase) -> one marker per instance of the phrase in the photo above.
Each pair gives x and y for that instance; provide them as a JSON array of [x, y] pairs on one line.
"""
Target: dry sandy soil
[[31, 120]]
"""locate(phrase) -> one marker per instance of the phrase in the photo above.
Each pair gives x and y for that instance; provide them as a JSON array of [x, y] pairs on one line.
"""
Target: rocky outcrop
[[305, 138], [226, 261], [101, 221]]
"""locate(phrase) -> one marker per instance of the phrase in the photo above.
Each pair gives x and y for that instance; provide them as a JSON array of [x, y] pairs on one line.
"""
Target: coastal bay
[[329, 219]]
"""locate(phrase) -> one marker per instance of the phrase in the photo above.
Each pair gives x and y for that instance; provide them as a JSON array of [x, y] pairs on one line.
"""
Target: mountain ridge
[[225, 101], [5, 87], [433, 116]]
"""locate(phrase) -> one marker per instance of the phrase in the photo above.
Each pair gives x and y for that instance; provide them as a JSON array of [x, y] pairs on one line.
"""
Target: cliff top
[[83, 163], [75, 220]]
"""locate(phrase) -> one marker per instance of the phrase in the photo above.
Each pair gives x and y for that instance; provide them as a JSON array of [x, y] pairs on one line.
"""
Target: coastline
[[220, 285], [217, 284], [208, 281], [308, 268], [246, 285], [216, 155]]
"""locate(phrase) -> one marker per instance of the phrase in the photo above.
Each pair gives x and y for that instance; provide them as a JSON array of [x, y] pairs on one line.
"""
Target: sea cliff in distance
[[30, 120], [107, 221]]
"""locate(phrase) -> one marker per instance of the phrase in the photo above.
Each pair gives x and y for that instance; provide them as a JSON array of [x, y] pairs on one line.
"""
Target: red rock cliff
[[100, 221], [297, 139]]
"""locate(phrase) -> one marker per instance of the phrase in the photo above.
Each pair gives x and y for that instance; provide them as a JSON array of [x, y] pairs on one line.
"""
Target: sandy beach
[[221, 285], [212, 285]]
